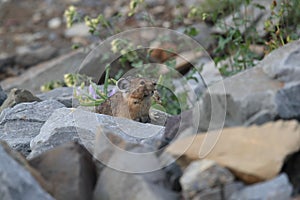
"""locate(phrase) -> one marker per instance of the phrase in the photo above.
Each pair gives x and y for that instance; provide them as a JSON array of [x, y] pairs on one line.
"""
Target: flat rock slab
[[63, 95], [75, 124], [46, 72], [20, 124], [253, 154], [16, 182]]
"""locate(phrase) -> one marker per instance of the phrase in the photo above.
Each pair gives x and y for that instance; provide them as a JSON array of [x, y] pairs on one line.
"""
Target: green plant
[[282, 23]]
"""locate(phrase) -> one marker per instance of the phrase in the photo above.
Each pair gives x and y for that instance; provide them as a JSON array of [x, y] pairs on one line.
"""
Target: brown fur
[[134, 103]]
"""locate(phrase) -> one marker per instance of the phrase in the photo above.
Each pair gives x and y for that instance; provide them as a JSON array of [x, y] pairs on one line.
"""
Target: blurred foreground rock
[[278, 188], [16, 182], [116, 183], [206, 180], [253, 154], [70, 169]]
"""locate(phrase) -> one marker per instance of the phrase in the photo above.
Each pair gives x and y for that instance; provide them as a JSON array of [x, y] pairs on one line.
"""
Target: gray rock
[[204, 37], [43, 73], [79, 29], [115, 184], [16, 182], [283, 63], [20, 159], [6, 61], [214, 194], [20, 124], [31, 55], [240, 100], [70, 169], [16, 96], [70, 124], [231, 188], [278, 188], [3, 96], [63, 95], [204, 179], [288, 102]]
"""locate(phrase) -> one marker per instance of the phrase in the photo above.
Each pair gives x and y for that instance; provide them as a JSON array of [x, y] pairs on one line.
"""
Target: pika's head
[[139, 88]]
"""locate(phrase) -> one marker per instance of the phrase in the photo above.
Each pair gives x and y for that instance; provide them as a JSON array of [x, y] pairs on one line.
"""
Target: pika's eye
[[135, 102], [142, 82], [154, 83]]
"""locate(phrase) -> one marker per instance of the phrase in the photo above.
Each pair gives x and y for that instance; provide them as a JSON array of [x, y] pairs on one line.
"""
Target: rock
[[54, 23], [278, 188], [231, 188], [291, 168], [70, 169], [31, 55], [17, 96], [204, 36], [16, 182], [43, 73], [20, 124], [283, 63], [3, 96], [115, 184], [20, 159], [63, 95], [6, 62], [204, 176], [254, 96], [253, 154], [79, 29], [239, 98], [288, 102], [70, 124]]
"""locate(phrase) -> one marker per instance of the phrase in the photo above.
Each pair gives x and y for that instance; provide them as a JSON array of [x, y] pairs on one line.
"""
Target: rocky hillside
[[239, 139]]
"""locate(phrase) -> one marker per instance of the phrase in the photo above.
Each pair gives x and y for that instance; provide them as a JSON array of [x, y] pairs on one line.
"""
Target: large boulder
[[258, 95], [253, 154], [20, 124], [16, 182], [70, 170], [68, 124]]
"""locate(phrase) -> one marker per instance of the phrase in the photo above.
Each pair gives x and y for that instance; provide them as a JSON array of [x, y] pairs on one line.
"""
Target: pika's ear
[[123, 84]]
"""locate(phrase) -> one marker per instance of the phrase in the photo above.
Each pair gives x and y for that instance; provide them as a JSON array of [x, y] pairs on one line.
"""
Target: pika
[[132, 100]]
